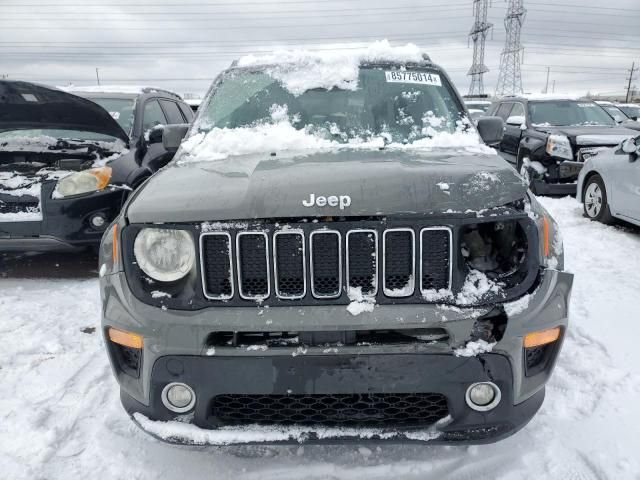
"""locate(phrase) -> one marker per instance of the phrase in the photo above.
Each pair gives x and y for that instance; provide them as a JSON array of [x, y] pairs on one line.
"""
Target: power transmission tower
[[478, 34], [510, 77], [630, 79]]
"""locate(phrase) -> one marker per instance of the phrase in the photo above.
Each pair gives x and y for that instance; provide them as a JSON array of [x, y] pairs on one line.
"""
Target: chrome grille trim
[[326, 232], [203, 268], [275, 264], [375, 275], [448, 230], [239, 235], [412, 286]]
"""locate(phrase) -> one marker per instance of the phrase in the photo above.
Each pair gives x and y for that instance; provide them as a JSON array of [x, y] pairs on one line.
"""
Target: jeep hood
[[25, 105], [387, 182], [585, 135]]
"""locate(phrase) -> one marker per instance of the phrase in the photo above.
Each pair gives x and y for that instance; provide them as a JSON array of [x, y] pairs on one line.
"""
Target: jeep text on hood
[[334, 253]]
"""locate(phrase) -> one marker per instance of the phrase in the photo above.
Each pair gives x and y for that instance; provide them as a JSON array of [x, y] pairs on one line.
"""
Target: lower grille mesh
[[371, 409]]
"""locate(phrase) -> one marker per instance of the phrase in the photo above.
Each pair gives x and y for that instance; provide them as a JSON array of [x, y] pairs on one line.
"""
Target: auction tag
[[405, 76]]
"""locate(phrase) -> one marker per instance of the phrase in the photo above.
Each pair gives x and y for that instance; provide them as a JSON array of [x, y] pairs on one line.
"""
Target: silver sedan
[[609, 184]]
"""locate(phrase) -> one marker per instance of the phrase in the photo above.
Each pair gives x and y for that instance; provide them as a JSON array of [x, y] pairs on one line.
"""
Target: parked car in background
[[609, 184], [631, 110], [475, 104], [68, 163], [548, 137], [618, 115], [194, 103], [327, 262]]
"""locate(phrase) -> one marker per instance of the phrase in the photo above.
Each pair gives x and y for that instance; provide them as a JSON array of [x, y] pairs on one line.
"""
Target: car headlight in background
[[559, 146], [164, 254], [86, 181]]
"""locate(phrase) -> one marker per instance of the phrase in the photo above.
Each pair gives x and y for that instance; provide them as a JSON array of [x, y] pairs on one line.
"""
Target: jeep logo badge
[[343, 201]]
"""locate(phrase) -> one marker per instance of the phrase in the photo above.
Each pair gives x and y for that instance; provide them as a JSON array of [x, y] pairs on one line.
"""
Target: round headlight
[[165, 255]]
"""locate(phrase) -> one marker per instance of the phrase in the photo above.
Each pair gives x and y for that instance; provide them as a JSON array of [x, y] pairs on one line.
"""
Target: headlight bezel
[[100, 175], [559, 146]]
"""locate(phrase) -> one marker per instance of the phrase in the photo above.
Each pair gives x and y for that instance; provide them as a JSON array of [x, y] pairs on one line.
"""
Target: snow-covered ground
[[60, 416]]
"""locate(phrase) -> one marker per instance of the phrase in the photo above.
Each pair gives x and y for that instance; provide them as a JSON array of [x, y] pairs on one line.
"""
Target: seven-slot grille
[[323, 264]]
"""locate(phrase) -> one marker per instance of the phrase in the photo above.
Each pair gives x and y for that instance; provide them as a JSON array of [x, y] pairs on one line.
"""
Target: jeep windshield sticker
[[404, 76]]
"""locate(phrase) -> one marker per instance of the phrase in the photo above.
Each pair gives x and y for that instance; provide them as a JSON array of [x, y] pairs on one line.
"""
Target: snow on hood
[[42, 143], [302, 70]]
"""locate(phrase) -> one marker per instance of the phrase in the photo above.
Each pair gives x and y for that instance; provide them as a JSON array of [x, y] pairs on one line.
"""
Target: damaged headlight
[[498, 249], [559, 146], [165, 255], [86, 181]]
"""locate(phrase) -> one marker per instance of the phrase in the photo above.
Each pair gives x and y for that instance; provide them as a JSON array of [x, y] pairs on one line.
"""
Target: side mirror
[[155, 134], [491, 129], [516, 120], [173, 135]]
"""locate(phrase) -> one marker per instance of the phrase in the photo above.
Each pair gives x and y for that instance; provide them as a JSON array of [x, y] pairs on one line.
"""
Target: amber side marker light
[[126, 339], [537, 339], [114, 244], [545, 236]]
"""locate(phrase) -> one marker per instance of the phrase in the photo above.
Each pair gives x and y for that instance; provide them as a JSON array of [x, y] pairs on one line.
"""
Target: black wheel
[[594, 200]]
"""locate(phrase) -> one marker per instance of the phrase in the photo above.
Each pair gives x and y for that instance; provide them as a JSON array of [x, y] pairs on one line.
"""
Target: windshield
[[121, 109], [399, 105], [631, 110], [47, 136], [568, 113], [615, 112]]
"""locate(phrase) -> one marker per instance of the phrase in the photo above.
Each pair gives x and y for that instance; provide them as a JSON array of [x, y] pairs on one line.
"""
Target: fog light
[[483, 396], [98, 221], [178, 397]]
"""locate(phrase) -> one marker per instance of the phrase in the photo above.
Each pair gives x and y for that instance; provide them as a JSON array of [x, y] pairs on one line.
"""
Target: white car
[[609, 184]]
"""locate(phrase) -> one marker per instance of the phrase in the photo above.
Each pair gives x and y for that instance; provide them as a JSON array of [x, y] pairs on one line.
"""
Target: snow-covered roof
[[477, 102], [550, 96], [126, 89], [194, 102], [636, 105], [301, 70]]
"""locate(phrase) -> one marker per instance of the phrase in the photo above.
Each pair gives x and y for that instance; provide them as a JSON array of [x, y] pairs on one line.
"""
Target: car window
[[172, 111], [121, 109], [517, 111], [152, 115], [187, 112], [503, 110], [568, 112]]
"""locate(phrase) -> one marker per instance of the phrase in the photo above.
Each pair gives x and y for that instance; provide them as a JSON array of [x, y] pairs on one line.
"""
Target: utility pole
[[510, 76], [546, 85], [478, 34], [97, 75], [553, 87], [633, 68]]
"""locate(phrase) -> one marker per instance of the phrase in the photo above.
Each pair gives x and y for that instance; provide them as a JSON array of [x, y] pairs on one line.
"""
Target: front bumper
[[327, 378], [65, 223], [175, 349], [541, 187]]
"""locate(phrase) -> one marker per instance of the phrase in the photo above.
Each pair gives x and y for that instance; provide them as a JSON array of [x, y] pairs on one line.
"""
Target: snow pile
[[475, 348], [476, 286], [302, 70], [187, 433], [360, 303]]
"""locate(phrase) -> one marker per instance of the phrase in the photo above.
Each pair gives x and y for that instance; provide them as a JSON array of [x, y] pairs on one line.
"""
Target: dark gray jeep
[[333, 257]]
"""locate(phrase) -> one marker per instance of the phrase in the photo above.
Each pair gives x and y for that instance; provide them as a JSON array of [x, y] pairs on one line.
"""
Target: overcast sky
[[182, 45]]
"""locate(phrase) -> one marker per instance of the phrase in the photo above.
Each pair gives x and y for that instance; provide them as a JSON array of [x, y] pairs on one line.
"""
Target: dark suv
[[549, 138], [68, 163]]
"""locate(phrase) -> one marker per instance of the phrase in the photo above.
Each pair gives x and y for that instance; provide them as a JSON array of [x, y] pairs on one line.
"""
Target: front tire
[[594, 201]]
